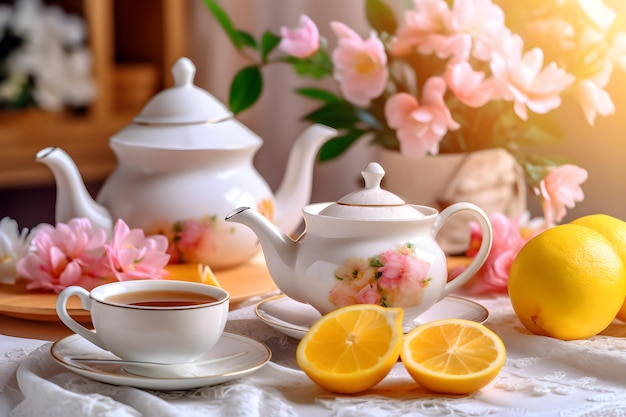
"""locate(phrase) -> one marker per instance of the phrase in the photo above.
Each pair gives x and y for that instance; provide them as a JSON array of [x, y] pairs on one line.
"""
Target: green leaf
[[247, 39], [222, 18], [339, 115], [269, 41], [380, 16], [245, 89], [317, 66], [339, 144], [318, 94]]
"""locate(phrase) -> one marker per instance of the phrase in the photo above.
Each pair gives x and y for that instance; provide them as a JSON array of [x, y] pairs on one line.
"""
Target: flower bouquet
[[451, 76], [454, 76]]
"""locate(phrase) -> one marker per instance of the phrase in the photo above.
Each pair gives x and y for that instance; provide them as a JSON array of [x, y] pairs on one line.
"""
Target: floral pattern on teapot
[[191, 239], [394, 278]]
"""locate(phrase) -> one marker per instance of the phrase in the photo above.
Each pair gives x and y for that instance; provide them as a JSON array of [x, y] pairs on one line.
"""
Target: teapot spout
[[295, 189], [279, 249], [72, 198]]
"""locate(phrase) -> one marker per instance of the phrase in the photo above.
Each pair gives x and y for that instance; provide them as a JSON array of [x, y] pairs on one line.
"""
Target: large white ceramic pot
[[490, 178]]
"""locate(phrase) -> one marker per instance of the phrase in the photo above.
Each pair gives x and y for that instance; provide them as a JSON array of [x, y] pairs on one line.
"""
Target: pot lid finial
[[372, 194], [372, 202], [184, 102], [183, 72]]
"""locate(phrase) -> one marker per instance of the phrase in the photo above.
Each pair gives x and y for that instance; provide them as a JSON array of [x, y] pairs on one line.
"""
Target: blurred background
[[132, 46]]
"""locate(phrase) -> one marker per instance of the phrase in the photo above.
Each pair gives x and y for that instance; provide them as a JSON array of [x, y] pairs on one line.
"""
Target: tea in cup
[[160, 321]]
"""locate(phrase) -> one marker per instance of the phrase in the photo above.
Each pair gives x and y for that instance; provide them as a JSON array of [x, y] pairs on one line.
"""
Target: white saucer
[[294, 319], [247, 356]]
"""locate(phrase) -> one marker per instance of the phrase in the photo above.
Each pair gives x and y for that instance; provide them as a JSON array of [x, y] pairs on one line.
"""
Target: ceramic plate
[[295, 319], [254, 355]]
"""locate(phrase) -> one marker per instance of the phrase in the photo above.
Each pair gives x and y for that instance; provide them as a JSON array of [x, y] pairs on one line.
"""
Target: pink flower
[[425, 28], [343, 295], [483, 22], [191, 235], [360, 65], [493, 276], [593, 100], [420, 127], [560, 189], [468, 85], [521, 78], [193, 238], [301, 42], [369, 295], [132, 255], [472, 27], [70, 254], [402, 271]]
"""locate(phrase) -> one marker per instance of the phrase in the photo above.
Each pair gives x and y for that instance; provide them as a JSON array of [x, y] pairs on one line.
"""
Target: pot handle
[[483, 251], [85, 299]]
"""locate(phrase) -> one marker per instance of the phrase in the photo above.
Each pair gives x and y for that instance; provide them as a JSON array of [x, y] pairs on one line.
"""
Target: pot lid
[[183, 103], [186, 117], [372, 202]]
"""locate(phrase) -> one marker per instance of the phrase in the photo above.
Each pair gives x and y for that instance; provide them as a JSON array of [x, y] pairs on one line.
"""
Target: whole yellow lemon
[[614, 230], [567, 282]]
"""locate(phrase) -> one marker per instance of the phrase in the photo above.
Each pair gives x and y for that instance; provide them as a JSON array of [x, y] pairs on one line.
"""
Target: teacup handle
[[483, 251], [65, 317]]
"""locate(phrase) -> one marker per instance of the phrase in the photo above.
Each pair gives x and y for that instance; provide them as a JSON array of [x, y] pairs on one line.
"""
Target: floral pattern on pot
[[191, 239], [394, 278]]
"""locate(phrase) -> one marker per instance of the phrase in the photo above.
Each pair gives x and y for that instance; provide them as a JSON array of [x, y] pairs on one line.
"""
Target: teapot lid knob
[[183, 72], [373, 175], [372, 194]]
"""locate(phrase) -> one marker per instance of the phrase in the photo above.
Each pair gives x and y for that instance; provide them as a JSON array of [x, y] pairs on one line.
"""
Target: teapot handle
[[483, 251]]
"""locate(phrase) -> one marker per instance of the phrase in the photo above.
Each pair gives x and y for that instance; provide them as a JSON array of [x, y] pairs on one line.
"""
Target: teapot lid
[[372, 202], [183, 103]]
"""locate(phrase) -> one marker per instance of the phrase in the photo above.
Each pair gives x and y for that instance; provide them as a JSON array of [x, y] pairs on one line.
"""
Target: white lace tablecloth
[[542, 376]]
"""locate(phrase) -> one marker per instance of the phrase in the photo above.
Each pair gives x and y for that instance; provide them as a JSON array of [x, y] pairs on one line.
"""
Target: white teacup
[[182, 321]]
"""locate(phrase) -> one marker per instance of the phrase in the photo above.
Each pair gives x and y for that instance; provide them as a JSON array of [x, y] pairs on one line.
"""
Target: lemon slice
[[453, 356], [192, 272], [352, 349]]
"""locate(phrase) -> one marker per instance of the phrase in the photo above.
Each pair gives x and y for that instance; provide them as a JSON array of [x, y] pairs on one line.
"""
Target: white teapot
[[183, 164], [369, 247]]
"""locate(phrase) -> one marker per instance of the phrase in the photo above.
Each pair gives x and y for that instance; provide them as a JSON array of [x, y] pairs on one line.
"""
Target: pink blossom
[[68, 254], [560, 189], [469, 86], [593, 100], [493, 276], [360, 65], [193, 238], [301, 42], [191, 235], [132, 255], [369, 295], [483, 22], [472, 27], [521, 78], [343, 295], [425, 28], [402, 271], [420, 127]]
